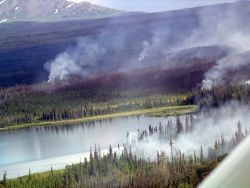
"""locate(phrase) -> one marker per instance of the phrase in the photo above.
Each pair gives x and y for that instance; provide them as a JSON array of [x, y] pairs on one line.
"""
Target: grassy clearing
[[156, 112], [176, 110]]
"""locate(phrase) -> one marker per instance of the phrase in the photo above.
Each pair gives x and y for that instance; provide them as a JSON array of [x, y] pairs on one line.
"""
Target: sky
[[153, 5]]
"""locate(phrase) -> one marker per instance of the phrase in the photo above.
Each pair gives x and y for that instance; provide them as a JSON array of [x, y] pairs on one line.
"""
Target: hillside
[[167, 41], [50, 10]]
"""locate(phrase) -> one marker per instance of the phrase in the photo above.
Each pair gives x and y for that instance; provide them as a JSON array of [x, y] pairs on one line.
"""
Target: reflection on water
[[43, 142]]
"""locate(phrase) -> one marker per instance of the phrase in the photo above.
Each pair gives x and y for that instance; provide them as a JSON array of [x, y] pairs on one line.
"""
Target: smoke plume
[[79, 60], [208, 128], [201, 32], [227, 28]]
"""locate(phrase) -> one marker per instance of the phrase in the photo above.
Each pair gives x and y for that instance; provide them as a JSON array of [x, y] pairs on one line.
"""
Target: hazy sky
[[154, 5]]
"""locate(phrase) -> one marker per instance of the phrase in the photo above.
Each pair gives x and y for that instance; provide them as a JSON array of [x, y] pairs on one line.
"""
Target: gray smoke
[[160, 43], [227, 28], [80, 60], [220, 73], [209, 128], [90, 56]]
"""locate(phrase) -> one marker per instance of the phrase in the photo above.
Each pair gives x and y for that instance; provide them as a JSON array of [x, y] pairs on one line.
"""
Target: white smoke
[[63, 67], [226, 26], [217, 27], [156, 44], [210, 127], [239, 42], [147, 148], [80, 60], [145, 52], [218, 74]]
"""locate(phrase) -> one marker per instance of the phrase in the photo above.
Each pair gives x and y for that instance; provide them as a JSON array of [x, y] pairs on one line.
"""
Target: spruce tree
[[5, 178]]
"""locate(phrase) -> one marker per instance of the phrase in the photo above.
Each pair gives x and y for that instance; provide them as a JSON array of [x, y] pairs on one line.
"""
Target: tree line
[[124, 170], [26, 104]]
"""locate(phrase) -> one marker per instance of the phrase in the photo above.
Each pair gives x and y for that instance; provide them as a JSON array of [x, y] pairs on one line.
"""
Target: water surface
[[38, 143]]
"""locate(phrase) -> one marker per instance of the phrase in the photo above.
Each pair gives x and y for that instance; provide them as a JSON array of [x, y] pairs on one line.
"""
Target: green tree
[[5, 178]]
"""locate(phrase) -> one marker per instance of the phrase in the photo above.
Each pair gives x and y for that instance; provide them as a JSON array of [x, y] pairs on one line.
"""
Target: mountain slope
[[51, 10], [169, 40]]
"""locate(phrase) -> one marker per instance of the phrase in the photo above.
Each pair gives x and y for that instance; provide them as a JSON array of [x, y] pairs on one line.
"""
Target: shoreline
[[154, 112], [43, 166]]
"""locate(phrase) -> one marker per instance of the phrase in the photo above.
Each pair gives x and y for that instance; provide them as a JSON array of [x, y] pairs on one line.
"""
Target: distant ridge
[[51, 10]]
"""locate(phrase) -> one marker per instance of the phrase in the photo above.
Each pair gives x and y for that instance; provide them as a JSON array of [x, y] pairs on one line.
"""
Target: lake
[[26, 148]]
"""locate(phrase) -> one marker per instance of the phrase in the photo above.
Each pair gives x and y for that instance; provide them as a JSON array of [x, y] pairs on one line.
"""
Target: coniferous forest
[[125, 170], [124, 94], [123, 167]]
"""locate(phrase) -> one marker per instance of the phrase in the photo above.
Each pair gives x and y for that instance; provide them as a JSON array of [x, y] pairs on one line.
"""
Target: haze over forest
[[93, 95]]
